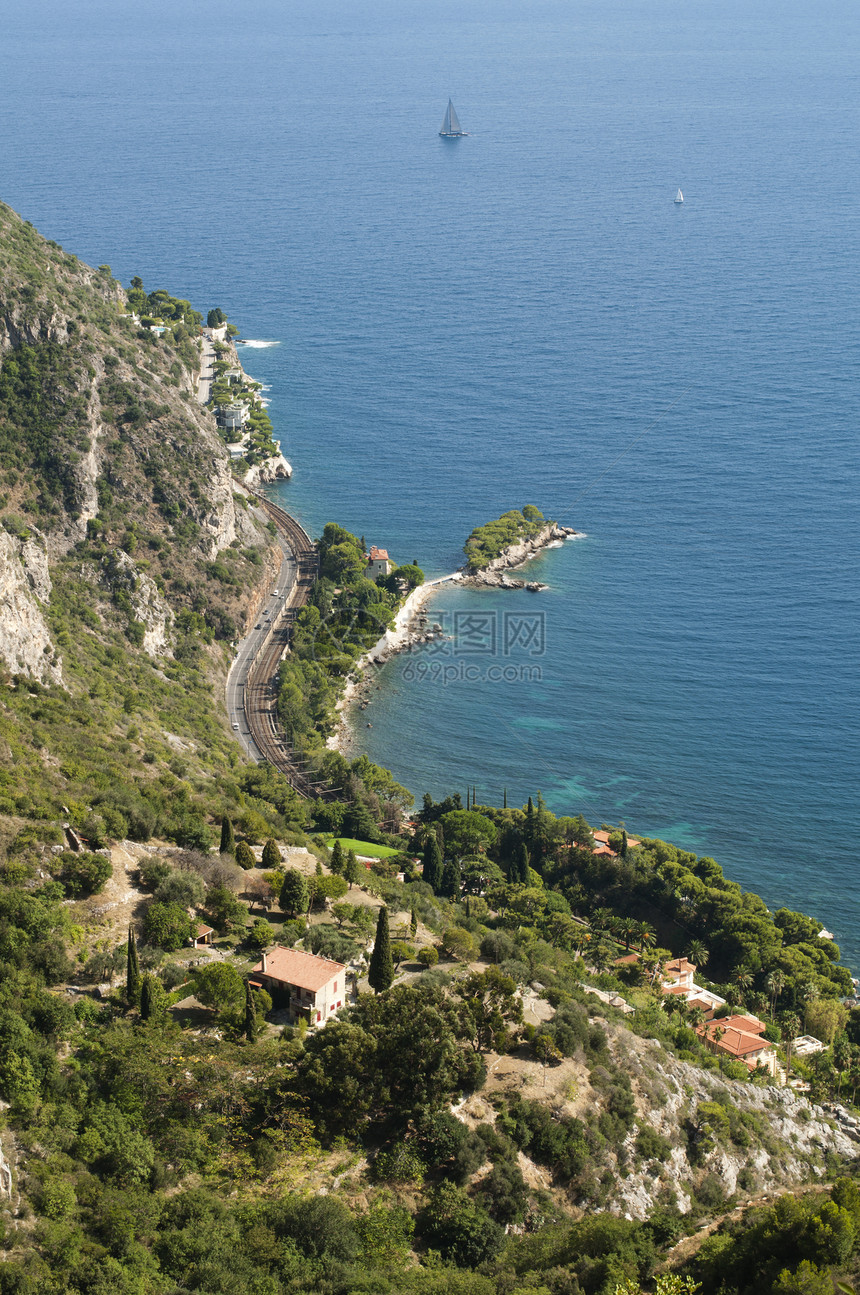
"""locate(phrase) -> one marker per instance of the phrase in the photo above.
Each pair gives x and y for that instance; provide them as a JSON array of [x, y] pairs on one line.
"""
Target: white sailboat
[[679, 197], [451, 128]]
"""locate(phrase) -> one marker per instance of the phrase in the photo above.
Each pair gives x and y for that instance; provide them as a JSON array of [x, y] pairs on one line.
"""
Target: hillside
[[509, 1097], [129, 557]]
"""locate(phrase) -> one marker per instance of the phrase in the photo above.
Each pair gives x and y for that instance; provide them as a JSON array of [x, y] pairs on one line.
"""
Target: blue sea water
[[525, 316]]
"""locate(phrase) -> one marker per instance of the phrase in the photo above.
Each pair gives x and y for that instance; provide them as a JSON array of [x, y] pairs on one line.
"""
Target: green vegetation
[[490, 540], [158, 1149]]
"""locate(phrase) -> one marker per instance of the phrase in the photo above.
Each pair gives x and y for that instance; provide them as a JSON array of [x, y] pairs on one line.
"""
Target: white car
[[236, 727]]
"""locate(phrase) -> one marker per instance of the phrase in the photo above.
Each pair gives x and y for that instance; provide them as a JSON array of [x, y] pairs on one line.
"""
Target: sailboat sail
[[451, 127], [679, 197]]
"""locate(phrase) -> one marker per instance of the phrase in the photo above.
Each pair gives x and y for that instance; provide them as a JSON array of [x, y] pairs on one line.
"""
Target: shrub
[[244, 855], [651, 1145], [84, 874], [428, 957]]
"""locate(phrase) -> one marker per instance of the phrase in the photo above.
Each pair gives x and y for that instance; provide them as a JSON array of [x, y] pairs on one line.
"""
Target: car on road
[[258, 626], [236, 727]]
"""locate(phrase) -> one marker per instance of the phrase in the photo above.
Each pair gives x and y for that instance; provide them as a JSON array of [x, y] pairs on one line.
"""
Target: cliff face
[[107, 454], [25, 642]]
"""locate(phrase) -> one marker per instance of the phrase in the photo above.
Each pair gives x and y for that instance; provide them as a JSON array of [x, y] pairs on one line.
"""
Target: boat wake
[[258, 344]]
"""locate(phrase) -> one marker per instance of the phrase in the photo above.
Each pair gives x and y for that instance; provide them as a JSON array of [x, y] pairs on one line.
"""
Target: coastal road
[[251, 683], [207, 373]]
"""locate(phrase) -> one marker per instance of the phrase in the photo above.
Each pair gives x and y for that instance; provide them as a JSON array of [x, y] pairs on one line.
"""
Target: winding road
[[252, 681]]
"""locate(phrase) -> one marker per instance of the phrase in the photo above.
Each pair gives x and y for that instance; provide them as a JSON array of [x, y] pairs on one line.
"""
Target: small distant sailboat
[[679, 198], [451, 128]]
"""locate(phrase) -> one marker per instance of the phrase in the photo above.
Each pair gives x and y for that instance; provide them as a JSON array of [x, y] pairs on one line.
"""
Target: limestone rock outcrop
[[25, 641]]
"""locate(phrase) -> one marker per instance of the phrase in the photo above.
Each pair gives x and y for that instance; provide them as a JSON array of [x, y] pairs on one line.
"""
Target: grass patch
[[362, 847]]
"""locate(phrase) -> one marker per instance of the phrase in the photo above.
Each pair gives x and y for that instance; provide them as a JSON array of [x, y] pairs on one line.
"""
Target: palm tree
[[697, 1017], [743, 980], [697, 953], [628, 927], [790, 1030], [646, 935], [775, 985]]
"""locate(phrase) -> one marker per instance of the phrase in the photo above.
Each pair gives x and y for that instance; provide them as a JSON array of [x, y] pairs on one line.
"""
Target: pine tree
[[294, 893], [452, 879], [351, 871], [319, 871], [271, 854], [250, 1013], [132, 970], [433, 864], [228, 840], [381, 971], [413, 924], [245, 855], [337, 863]]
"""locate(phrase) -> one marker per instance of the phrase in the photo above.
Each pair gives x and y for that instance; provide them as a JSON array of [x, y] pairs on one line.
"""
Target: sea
[[449, 329]]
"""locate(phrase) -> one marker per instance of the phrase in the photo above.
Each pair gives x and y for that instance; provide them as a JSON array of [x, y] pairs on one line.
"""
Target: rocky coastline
[[494, 574], [414, 625]]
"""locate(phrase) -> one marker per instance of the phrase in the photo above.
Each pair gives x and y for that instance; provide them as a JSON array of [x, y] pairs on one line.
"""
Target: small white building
[[308, 986], [378, 563]]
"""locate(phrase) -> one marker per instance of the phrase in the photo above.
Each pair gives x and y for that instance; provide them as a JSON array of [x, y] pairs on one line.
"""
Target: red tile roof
[[679, 967], [292, 967], [378, 555], [737, 1043], [203, 929]]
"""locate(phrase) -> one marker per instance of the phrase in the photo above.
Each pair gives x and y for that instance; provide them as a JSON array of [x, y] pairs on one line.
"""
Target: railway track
[[261, 686]]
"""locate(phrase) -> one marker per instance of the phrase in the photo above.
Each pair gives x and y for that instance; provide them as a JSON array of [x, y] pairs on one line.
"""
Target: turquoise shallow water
[[525, 315]]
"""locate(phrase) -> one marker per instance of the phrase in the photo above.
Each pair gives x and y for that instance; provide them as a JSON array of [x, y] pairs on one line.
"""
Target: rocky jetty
[[493, 575]]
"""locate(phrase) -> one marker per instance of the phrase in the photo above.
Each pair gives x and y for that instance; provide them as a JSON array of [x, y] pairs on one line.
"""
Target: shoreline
[[409, 629]]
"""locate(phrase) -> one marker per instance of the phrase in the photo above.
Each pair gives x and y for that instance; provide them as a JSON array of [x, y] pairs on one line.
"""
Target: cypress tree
[[624, 846], [351, 870], [505, 799], [440, 834], [521, 864], [250, 1013], [319, 871], [452, 879], [147, 997], [245, 855], [413, 924], [337, 863], [381, 971], [433, 864], [294, 893], [228, 840], [132, 970]]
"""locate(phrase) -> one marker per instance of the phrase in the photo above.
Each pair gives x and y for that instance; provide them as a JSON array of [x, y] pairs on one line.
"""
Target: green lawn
[[362, 847]]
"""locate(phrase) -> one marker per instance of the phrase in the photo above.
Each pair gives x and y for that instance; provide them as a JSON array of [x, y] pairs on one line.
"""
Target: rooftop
[[293, 967], [736, 1042], [679, 967], [377, 555]]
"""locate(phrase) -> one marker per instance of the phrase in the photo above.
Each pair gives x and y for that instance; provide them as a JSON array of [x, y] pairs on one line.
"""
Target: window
[[319, 1017], [338, 1004]]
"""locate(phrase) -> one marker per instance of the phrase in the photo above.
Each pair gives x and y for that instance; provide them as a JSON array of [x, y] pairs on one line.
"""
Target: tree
[[428, 957], [467, 832], [492, 1003], [214, 319], [153, 1001], [132, 970], [262, 934], [520, 864], [451, 879], [459, 944], [226, 911], [333, 887], [381, 972], [244, 855], [183, 888], [352, 873], [168, 926], [401, 952], [85, 873], [250, 1027], [775, 985], [294, 893], [337, 863], [697, 953], [271, 855], [432, 871], [218, 985], [228, 839], [413, 924]]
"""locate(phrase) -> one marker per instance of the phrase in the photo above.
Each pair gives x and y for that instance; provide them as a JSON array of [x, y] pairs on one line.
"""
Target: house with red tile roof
[[602, 846], [739, 1037], [309, 987], [378, 563]]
